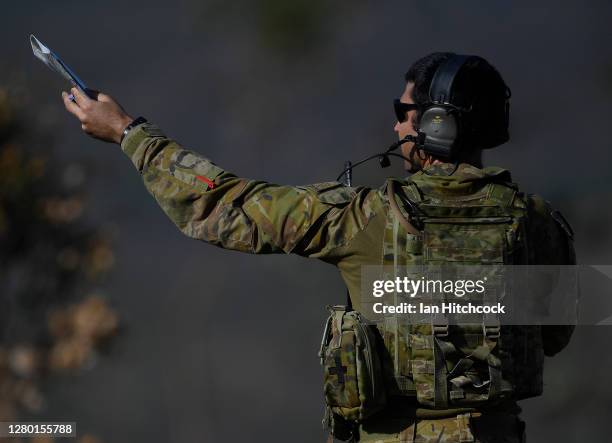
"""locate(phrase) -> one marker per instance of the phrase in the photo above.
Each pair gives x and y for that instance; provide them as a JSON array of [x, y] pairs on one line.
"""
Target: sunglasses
[[402, 108]]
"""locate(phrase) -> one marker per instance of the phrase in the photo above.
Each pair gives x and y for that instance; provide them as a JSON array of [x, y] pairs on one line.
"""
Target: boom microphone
[[383, 157]]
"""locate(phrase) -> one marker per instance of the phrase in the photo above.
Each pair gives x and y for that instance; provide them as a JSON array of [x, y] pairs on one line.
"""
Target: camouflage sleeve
[[207, 203], [551, 244]]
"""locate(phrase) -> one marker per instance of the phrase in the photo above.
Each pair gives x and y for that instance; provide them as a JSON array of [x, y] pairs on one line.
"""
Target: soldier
[[451, 109]]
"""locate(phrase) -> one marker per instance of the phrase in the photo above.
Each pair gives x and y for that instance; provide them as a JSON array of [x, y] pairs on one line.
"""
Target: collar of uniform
[[466, 179]]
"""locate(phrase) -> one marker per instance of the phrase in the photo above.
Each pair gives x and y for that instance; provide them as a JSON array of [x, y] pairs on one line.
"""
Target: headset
[[442, 126]]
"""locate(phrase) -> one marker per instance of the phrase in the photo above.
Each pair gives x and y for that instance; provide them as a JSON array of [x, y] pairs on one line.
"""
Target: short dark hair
[[478, 85]]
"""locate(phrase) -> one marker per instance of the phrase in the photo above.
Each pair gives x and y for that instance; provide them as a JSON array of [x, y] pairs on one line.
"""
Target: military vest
[[475, 218], [430, 223]]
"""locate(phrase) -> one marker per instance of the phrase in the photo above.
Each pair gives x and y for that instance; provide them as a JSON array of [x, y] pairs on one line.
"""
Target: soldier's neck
[[473, 158]]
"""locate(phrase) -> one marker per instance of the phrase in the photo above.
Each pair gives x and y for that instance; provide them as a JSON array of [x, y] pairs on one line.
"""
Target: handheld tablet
[[53, 61]]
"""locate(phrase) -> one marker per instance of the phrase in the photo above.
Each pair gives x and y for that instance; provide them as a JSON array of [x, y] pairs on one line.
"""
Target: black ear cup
[[440, 127], [439, 124], [446, 127]]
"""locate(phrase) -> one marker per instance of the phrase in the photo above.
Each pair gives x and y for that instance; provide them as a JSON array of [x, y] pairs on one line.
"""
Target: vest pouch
[[352, 374], [460, 369]]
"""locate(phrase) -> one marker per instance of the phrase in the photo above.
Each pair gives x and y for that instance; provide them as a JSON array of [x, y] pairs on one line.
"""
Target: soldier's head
[[477, 87]]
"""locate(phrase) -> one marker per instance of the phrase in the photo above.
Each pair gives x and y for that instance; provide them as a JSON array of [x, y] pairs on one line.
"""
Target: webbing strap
[[495, 377], [440, 377], [397, 212]]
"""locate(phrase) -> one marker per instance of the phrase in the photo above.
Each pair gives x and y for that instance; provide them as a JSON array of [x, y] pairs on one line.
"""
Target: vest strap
[[397, 212]]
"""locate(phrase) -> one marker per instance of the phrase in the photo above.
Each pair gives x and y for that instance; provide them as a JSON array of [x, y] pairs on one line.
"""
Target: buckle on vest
[[439, 326], [491, 326], [491, 331], [440, 330]]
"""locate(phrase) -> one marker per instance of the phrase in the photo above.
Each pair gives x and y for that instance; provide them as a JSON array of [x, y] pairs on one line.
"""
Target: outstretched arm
[[211, 204]]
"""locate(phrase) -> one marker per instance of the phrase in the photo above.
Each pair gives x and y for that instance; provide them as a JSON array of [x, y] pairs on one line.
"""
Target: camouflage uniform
[[339, 225]]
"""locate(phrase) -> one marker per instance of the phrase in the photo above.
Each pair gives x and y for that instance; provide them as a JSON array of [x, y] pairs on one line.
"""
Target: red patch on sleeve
[[210, 183]]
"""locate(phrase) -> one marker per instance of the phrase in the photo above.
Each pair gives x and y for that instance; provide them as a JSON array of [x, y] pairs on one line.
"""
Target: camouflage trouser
[[464, 428]]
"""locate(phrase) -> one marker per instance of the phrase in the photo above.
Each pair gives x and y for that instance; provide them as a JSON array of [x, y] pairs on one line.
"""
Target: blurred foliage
[[49, 259], [288, 28], [296, 25]]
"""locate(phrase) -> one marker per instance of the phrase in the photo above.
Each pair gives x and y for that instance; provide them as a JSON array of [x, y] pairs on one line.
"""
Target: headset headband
[[442, 82]]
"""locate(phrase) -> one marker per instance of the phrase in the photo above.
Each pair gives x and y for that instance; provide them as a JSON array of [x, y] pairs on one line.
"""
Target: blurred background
[[114, 320]]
